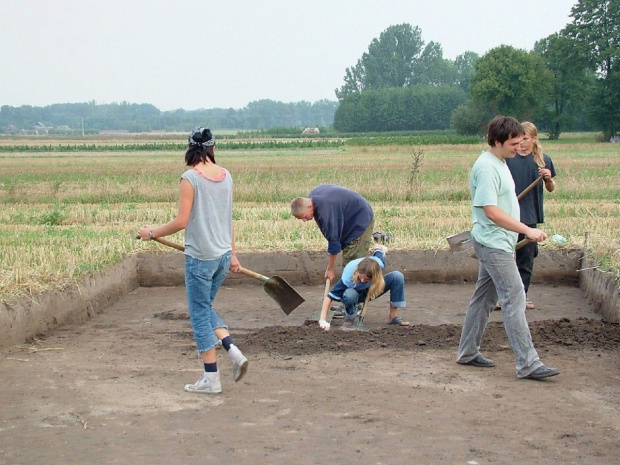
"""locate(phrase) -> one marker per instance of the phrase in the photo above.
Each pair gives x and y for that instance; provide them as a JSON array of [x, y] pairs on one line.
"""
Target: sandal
[[397, 320], [529, 305]]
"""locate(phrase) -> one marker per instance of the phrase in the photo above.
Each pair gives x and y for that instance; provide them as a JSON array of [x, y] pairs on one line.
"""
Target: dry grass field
[[68, 214]]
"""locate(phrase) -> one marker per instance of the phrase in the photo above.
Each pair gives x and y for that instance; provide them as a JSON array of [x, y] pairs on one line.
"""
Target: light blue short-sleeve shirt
[[491, 183]]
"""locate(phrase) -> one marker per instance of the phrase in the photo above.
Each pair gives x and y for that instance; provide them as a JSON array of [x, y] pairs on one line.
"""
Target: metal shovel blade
[[316, 316], [278, 289], [283, 293], [460, 242], [357, 326]]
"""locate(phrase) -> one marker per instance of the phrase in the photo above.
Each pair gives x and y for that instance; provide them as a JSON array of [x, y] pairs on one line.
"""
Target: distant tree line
[[132, 117], [569, 81]]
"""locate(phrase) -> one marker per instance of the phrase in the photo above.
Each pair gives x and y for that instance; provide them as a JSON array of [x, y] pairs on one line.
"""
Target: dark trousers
[[525, 260]]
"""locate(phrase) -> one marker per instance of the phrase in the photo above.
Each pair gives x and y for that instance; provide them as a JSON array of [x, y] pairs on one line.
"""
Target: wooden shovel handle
[[327, 284], [529, 188], [174, 245], [526, 191], [253, 274]]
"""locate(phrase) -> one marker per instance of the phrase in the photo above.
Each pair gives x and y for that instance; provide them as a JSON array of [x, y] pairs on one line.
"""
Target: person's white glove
[[324, 325]]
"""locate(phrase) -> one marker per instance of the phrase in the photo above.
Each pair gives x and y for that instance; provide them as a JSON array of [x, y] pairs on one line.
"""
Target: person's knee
[[350, 297], [515, 292], [396, 277]]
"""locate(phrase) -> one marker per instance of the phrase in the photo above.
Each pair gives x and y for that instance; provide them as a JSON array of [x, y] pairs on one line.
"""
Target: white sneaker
[[209, 383], [240, 363]]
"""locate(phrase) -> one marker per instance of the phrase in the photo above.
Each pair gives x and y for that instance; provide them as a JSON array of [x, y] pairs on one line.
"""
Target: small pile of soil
[[303, 340]]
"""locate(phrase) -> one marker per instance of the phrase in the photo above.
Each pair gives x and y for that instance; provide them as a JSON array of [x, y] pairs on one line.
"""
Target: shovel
[[317, 315], [462, 241], [359, 326], [279, 290], [276, 287]]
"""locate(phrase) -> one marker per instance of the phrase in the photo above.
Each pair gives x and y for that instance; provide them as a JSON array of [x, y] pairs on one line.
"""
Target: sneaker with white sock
[[240, 363], [209, 383]]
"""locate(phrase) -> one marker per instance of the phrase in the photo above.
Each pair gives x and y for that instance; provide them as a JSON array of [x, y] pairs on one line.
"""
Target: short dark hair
[[199, 153], [502, 128]]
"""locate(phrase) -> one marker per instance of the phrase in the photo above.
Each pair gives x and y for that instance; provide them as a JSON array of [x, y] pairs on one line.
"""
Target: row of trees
[[418, 107], [401, 83], [568, 81], [261, 114]]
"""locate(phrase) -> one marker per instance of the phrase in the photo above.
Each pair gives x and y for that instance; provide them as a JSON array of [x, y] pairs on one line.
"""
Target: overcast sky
[[194, 54]]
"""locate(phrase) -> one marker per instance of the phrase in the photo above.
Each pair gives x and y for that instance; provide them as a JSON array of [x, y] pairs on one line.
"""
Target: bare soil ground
[[110, 390]]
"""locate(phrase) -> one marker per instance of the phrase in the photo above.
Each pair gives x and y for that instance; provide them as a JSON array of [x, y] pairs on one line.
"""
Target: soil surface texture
[[110, 390]]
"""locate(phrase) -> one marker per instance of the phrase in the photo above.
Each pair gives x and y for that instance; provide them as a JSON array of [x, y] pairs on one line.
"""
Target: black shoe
[[542, 372], [479, 361]]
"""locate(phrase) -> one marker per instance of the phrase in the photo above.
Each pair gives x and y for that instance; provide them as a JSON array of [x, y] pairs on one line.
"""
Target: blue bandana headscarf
[[201, 137]]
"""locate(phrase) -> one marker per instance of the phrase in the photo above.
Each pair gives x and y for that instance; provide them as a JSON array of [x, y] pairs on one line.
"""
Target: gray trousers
[[498, 279]]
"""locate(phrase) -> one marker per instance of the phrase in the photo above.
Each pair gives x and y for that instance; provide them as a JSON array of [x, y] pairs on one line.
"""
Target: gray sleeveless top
[[209, 232]]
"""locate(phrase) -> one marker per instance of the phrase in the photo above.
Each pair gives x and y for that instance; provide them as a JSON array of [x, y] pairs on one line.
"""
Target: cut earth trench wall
[[36, 315]]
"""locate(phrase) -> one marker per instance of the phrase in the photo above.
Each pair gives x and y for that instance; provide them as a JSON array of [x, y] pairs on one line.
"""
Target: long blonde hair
[[532, 131], [369, 267]]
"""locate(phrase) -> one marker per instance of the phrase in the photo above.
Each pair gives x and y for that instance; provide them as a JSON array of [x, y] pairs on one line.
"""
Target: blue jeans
[[203, 278], [394, 282], [498, 279]]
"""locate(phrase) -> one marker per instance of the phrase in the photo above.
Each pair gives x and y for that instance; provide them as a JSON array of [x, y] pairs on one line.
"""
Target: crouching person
[[362, 278]]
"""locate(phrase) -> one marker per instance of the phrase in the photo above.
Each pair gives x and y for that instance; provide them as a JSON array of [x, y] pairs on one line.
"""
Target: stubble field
[[65, 215]]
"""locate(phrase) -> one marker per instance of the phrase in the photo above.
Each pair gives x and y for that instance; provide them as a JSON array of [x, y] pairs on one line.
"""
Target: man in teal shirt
[[495, 214]]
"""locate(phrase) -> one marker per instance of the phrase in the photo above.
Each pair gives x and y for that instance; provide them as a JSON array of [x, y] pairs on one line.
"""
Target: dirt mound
[[306, 340]]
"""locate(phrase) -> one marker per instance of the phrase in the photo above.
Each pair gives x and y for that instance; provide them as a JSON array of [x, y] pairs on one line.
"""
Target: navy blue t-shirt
[[524, 172], [341, 214]]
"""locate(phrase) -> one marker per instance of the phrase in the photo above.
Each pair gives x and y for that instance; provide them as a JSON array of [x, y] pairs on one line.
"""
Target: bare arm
[[186, 201], [504, 220], [235, 266], [327, 302], [329, 272], [549, 182]]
